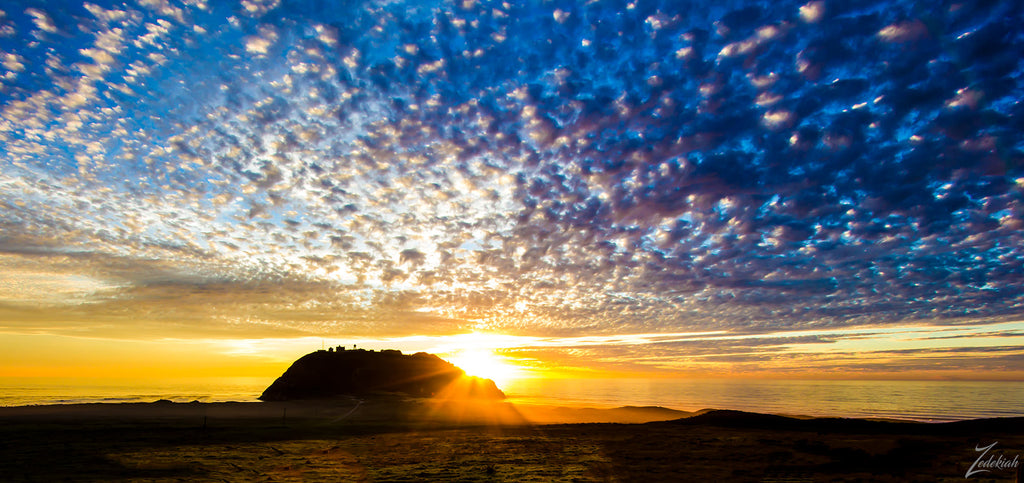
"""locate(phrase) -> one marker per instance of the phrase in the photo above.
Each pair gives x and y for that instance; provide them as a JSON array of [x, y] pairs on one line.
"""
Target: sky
[[727, 188]]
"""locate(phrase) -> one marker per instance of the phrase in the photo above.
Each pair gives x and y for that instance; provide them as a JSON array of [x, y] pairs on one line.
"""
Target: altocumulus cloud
[[557, 169]]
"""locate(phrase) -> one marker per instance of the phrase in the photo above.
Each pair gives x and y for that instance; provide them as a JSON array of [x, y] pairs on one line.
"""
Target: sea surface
[[916, 400], [23, 391]]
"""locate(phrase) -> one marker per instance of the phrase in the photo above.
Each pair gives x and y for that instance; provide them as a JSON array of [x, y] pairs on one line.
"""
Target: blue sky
[[561, 170]]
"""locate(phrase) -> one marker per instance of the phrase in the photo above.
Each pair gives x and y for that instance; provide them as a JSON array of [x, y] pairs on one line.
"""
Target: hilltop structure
[[324, 374]]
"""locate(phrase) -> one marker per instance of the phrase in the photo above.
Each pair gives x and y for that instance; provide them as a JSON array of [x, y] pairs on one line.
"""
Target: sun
[[484, 363]]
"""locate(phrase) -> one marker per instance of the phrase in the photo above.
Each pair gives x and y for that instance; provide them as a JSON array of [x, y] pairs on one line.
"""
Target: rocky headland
[[340, 372]]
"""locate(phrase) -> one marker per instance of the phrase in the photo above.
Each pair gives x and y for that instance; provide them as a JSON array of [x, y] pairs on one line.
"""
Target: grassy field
[[412, 441]]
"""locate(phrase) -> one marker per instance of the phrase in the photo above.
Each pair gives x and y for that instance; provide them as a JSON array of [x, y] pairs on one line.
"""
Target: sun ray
[[484, 363]]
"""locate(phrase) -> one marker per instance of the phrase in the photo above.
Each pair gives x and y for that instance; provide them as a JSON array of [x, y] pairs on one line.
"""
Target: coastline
[[385, 409], [930, 401], [423, 410], [405, 439]]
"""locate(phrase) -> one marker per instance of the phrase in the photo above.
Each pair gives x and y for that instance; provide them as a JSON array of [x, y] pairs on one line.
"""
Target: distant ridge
[[324, 374], [725, 418]]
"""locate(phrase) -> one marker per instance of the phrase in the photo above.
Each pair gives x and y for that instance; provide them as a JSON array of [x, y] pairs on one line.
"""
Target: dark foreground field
[[398, 440]]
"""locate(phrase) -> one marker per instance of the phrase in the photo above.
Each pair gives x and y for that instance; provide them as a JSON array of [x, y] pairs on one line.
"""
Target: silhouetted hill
[[745, 420], [741, 419], [353, 372]]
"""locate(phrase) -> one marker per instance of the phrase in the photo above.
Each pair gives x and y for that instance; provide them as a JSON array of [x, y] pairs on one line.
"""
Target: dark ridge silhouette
[[324, 374], [741, 419], [745, 420], [730, 418]]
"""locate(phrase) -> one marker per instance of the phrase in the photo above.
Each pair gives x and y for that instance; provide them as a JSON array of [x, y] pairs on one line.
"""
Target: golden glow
[[484, 363], [920, 351], [43, 355]]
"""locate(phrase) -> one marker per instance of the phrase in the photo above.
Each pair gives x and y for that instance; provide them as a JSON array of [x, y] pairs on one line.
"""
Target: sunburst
[[485, 363]]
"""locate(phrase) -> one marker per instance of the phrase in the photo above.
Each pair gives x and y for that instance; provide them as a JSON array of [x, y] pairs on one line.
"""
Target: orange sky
[[915, 352]]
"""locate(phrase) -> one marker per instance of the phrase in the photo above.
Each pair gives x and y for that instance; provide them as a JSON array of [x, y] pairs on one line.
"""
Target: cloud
[[588, 170], [41, 20]]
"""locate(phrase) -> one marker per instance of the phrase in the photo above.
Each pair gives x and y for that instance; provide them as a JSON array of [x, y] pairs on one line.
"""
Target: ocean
[[23, 391], [916, 400]]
